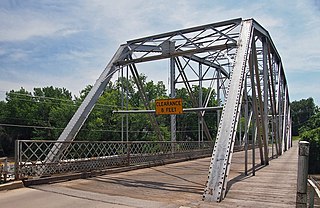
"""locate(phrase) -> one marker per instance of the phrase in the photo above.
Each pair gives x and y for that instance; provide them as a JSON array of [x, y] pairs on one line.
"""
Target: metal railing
[[86, 156], [314, 191]]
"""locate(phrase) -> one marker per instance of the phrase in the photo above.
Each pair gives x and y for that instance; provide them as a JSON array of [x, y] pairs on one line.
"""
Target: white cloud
[[23, 23], [67, 31], [18, 55], [73, 55], [16, 26], [293, 25]]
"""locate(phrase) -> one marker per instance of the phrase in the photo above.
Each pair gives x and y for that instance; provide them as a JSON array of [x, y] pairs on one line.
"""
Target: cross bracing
[[241, 64]]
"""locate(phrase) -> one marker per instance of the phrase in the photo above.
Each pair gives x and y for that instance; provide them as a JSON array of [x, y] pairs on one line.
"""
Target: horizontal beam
[[188, 30], [157, 49], [197, 80], [186, 110], [176, 54]]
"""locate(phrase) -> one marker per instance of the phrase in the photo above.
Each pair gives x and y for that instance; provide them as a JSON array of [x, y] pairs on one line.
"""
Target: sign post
[[169, 106]]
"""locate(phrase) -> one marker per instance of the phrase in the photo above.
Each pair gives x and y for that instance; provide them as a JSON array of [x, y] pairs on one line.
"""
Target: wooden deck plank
[[182, 184], [178, 185], [273, 186]]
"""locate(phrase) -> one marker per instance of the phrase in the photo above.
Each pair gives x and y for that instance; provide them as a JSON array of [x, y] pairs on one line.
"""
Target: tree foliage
[[45, 112], [306, 123], [301, 111], [312, 123], [313, 137]]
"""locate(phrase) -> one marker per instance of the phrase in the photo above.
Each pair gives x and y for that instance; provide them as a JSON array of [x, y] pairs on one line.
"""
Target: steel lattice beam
[[222, 153], [242, 55]]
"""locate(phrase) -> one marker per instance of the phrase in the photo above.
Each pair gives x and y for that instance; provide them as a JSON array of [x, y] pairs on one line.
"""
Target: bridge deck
[[176, 185], [273, 185]]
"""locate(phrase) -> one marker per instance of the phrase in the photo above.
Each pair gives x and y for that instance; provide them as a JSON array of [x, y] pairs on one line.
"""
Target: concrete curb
[[11, 185]]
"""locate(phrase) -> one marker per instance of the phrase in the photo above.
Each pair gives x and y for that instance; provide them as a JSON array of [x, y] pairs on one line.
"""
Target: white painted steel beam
[[78, 119], [89, 102], [221, 157]]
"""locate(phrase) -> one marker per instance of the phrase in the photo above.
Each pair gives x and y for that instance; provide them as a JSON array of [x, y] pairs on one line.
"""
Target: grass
[[295, 138]]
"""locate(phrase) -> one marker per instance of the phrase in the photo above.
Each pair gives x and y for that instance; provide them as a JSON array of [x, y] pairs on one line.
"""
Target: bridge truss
[[243, 67]]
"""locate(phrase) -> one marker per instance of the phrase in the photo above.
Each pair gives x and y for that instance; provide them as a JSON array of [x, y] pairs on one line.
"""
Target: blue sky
[[67, 43]]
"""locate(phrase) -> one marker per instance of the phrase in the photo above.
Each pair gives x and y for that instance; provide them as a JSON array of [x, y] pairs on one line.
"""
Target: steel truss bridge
[[241, 63]]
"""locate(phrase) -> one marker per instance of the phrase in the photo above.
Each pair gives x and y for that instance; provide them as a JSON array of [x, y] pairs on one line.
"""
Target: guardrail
[[3, 169], [314, 191], [85, 156]]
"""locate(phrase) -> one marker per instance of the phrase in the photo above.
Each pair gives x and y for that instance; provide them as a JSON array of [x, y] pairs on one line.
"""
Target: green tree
[[16, 115], [187, 125], [301, 111], [54, 108], [3, 134], [19, 110], [25, 115], [45, 112], [313, 136], [312, 123]]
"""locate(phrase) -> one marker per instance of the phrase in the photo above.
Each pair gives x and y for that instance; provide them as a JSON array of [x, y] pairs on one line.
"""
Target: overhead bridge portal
[[243, 66]]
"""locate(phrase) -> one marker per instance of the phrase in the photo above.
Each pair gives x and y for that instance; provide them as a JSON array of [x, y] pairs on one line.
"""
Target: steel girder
[[258, 93], [249, 79]]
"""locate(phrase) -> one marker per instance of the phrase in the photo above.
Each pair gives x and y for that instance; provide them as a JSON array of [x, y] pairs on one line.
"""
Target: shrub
[[313, 136]]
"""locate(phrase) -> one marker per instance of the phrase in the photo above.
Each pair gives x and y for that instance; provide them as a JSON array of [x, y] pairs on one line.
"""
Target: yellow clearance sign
[[169, 106]]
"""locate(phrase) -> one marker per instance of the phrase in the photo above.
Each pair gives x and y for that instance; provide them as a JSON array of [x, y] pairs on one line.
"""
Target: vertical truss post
[[254, 137], [218, 94], [288, 118], [261, 119], [127, 104], [122, 104], [279, 109], [284, 128], [215, 189], [273, 103], [265, 96], [200, 119], [255, 105], [289, 127], [272, 138], [239, 126], [246, 109], [173, 118]]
